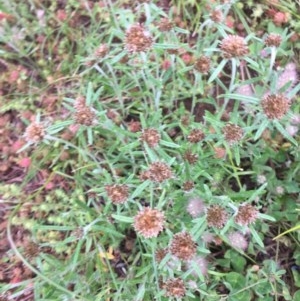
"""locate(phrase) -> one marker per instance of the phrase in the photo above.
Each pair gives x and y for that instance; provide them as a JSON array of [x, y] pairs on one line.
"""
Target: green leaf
[[121, 218]]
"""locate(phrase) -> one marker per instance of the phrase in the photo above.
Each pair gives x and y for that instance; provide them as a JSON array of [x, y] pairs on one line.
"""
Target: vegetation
[[150, 150]]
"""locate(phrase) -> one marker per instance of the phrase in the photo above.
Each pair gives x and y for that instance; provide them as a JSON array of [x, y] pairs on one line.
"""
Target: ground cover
[[149, 150]]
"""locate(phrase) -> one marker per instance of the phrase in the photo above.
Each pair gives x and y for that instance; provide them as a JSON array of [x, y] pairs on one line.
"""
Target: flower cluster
[[202, 64], [157, 172], [182, 246], [149, 222], [246, 215], [175, 288], [234, 46], [216, 216], [275, 106], [117, 193], [35, 132], [273, 39], [195, 207], [232, 133], [84, 115], [196, 135], [138, 39], [151, 137]]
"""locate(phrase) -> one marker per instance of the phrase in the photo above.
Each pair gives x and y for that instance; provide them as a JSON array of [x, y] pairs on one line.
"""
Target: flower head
[[216, 216], [200, 263], [195, 207], [117, 193], [237, 240], [165, 24], [157, 172], [275, 106], [175, 288], [202, 64], [182, 246], [149, 222], [138, 39], [190, 157], [246, 215], [195, 136], [232, 133], [151, 137], [234, 46], [188, 185], [160, 254], [83, 114], [216, 15], [35, 132], [273, 39]]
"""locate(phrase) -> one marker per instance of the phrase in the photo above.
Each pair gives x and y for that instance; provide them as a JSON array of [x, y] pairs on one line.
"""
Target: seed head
[[84, 115], [195, 136], [273, 39], [216, 15], [157, 172], [151, 137], [237, 240], [190, 157], [137, 39], [182, 246], [149, 222], [117, 193], [275, 106], [195, 207], [246, 215], [165, 25], [35, 132], [175, 288], [101, 51], [232, 133], [202, 64], [234, 46], [216, 216], [188, 186], [220, 152], [160, 254]]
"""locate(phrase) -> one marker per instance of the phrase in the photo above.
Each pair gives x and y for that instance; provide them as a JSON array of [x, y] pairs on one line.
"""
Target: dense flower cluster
[[175, 288], [234, 46], [190, 157], [138, 39], [188, 185], [216, 216], [275, 106], [151, 137], [232, 133], [246, 215], [182, 246], [202, 64], [35, 132], [195, 207], [237, 240], [84, 115], [149, 222], [273, 39], [196, 135], [157, 172], [117, 193]]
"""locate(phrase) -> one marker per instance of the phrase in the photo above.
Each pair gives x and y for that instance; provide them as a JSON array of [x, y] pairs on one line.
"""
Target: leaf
[[217, 71], [256, 237], [121, 218]]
